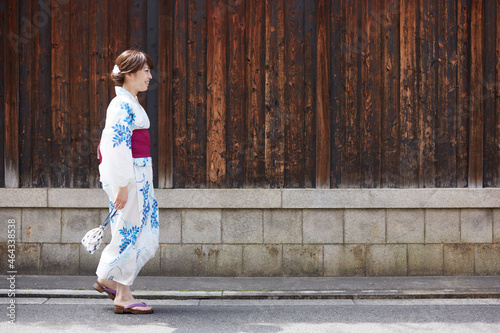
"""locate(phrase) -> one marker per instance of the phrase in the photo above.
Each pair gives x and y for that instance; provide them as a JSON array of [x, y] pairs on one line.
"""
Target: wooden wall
[[268, 94]]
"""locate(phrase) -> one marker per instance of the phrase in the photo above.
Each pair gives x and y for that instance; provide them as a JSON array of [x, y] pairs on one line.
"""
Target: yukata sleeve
[[117, 168]]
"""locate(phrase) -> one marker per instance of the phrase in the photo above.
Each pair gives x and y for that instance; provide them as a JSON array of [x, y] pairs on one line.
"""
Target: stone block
[[425, 259], [222, 260], [242, 226], [301, 260], [458, 259], [152, 267], [476, 226], [386, 260], [364, 226], [170, 226], [344, 260], [263, 260], [77, 222], [77, 198], [181, 260], [282, 226], [28, 258], [89, 262], [391, 198], [23, 197], [405, 226], [60, 259], [487, 259], [442, 226], [10, 216], [496, 225], [201, 226], [41, 225], [323, 226], [218, 198]]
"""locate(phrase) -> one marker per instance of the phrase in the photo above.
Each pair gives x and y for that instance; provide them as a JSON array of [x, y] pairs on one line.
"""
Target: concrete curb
[[254, 294]]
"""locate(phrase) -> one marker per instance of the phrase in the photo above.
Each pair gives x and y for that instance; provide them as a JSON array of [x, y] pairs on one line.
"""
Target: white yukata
[[134, 228]]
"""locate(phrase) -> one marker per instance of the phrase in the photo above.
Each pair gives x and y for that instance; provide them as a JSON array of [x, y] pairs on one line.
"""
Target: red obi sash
[[141, 144]]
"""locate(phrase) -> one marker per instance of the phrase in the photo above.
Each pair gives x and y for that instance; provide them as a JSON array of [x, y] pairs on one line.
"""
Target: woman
[[127, 178]]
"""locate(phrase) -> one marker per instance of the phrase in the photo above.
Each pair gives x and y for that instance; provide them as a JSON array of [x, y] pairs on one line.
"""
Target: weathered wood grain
[[196, 94], [336, 89], [179, 93], [371, 93], [491, 149], [390, 117], [236, 100], [428, 65], [254, 86], [351, 159], [323, 117], [12, 76], [409, 122], [463, 91], [60, 103], [24, 94], [2, 92], [165, 91], [476, 96]]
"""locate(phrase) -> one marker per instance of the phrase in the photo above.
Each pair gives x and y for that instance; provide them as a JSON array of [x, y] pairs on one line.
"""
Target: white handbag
[[93, 238]]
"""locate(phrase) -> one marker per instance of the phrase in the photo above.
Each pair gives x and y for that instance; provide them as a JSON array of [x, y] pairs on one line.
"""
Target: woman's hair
[[130, 61]]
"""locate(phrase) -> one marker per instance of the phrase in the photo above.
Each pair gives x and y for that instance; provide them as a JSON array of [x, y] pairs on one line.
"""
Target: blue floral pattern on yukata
[[123, 132]]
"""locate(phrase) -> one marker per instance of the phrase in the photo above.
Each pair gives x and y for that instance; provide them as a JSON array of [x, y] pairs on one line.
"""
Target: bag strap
[[111, 214]]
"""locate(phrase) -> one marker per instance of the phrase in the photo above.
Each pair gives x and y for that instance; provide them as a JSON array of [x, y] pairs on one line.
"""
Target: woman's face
[[140, 79]]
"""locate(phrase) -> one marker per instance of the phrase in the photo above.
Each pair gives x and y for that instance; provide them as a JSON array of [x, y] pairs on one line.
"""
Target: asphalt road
[[234, 316]]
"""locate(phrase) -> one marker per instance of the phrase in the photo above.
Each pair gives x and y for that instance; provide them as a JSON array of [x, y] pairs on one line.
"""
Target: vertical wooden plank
[[337, 97], [390, 136], [60, 82], [409, 158], [179, 91], [323, 120], [255, 80], [371, 89], [41, 102], [216, 94], [446, 149], [463, 90], [351, 166], [310, 47], [196, 94], [26, 33], [152, 94], [2, 93], [12, 42], [491, 161], [275, 94], [98, 85], [165, 89], [236, 102], [79, 93], [294, 95], [137, 21], [476, 101], [118, 35], [497, 87], [427, 91]]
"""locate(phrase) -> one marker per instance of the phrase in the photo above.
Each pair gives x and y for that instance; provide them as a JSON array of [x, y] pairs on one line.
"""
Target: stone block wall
[[260, 232]]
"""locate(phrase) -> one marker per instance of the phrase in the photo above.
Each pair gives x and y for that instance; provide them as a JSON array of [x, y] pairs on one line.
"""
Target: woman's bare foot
[[107, 283], [124, 298]]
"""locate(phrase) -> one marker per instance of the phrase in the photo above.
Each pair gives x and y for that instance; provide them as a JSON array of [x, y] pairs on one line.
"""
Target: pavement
[[158, 287]]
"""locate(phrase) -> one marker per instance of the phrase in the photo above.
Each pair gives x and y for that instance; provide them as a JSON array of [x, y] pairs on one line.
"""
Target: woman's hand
[[121, 198]]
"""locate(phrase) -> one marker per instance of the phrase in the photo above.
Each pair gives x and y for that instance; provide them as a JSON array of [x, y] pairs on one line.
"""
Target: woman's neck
[[130, 90]]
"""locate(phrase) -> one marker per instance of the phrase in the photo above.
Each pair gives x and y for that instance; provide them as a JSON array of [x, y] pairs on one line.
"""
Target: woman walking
[[126, 174]]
